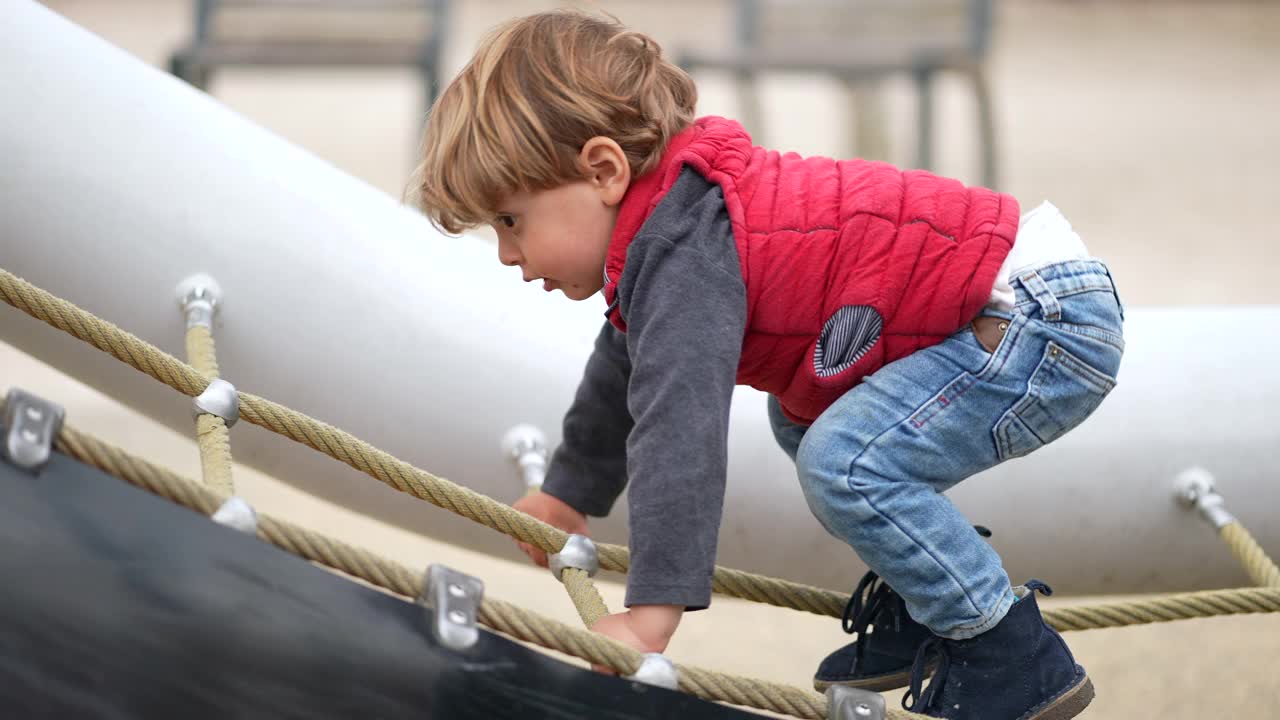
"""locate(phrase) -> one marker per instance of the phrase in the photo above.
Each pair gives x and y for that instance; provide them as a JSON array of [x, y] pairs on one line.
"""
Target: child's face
[[561, 236]]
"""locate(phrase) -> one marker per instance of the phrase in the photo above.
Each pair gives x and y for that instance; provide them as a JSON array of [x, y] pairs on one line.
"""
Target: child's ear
[[606, 168]]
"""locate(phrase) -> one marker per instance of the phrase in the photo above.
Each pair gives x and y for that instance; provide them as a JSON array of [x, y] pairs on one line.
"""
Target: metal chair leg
[[749, 100], [871, 138], [986, 125], [924, 117]]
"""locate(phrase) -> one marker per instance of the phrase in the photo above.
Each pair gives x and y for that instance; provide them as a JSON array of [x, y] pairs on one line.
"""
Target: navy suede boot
[[881, 656], [1020, 669]]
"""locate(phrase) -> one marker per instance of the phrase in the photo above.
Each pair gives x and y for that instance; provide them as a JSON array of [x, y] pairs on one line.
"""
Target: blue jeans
[[874, 465]]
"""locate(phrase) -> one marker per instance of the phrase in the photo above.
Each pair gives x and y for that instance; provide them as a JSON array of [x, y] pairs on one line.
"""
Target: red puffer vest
[[815, 235]]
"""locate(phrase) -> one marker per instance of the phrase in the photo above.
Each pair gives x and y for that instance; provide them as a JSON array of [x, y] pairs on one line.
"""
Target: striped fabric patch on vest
[[846, 337]]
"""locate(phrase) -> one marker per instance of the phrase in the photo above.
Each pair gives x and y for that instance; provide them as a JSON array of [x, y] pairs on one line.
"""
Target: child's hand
[[647, 628], [553, 511]]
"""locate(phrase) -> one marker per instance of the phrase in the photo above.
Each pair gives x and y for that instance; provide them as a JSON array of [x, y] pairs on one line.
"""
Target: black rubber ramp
[[117, 604]]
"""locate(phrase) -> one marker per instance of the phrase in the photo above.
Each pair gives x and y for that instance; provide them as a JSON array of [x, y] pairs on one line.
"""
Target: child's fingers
[[535, 554]]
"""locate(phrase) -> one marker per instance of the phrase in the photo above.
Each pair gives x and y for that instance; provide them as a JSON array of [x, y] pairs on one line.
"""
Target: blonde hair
[[538, 88]]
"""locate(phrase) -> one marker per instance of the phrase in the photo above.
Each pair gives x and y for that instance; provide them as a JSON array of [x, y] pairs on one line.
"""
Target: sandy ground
[[1155, 125]]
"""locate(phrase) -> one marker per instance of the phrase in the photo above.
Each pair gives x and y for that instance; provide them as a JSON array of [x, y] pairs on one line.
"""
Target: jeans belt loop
[[1039, 290], [1114, 290]]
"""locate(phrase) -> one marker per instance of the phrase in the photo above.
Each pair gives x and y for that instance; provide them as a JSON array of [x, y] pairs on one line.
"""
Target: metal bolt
[[34, 414], [457, 617], [1194, 483], [526, 445], [1004, 326], [456, 590], [29, 436], [1187, 498], [862, 710], [199, 297], [1194, 488]]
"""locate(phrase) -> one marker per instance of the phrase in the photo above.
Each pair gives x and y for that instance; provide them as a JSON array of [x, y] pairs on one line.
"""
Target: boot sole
[[1070, 703], [876, 683]]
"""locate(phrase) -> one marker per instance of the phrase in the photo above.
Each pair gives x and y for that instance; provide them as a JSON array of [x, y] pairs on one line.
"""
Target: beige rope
[[200, 351], [101, 334], [593, 647], [404, 477], [1120, 614], [586, 598], [496, 614], [707, 684], [1250, 554], [485, 510], [362, 456], [1181, 606], [215, 452], [582, 592], [211, 431]]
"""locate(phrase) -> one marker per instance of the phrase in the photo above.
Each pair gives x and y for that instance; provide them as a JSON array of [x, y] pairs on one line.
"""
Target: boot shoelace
[[918, 700], [864, 604]]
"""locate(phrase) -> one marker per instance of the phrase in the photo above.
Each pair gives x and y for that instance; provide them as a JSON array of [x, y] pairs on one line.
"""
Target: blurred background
[[1154, 125]]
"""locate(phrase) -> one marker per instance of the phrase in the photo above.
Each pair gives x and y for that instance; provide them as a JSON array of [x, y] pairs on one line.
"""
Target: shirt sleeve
[[684, 301], [589, 469]]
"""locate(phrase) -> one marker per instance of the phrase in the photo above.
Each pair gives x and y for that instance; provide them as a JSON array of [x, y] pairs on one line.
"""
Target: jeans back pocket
[[1063, 391]]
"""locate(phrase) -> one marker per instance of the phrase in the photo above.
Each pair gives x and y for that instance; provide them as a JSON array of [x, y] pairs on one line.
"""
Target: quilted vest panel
[[817, 235]]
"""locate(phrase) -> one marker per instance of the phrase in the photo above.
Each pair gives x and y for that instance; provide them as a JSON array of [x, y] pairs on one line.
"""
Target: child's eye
[[506, 220]]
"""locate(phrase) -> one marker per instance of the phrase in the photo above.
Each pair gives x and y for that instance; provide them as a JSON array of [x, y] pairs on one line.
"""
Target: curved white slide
[[119, 181]]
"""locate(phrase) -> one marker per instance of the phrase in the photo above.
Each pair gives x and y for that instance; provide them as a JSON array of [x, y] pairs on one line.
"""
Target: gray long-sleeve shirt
[[653, 405]]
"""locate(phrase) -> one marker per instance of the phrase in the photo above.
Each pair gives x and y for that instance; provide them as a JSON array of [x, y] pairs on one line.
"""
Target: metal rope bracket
[[31, 424], [847, 703], [455, 599], [220, 399], [657, 670], [199, 297], [578, 552], [237, 514], [1195, 490], [526, 446]]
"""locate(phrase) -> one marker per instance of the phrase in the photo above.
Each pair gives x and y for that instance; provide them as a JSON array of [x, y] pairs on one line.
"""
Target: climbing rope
[[212, 436], [586, 598], [593, 647], [1250, 554], [443, 493], [404, 477], [376, 463], [215, 452], [582, 591], [200, 350], [1182, 606], [495, 614]]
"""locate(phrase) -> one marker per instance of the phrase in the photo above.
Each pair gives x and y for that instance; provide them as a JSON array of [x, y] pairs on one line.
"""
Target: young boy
[[910, 332]]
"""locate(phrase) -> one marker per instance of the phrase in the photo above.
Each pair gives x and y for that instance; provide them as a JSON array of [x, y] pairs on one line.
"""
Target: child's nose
[[507, 253]]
